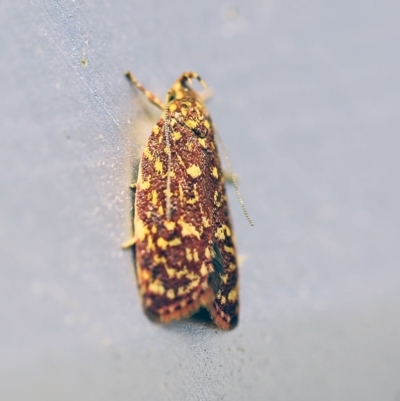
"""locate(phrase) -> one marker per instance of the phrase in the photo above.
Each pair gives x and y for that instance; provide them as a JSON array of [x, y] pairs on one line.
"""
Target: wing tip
[[223, 320], [175, 311]]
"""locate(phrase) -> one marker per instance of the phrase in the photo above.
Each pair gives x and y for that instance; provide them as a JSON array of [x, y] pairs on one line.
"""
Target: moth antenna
[[228, 163], [166, 129]]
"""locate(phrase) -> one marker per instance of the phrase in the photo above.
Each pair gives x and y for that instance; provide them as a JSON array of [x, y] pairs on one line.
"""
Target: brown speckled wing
[[187, 259]]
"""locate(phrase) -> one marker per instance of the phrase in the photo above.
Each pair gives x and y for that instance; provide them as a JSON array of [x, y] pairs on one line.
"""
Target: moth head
[[183, 86], [186, 106]]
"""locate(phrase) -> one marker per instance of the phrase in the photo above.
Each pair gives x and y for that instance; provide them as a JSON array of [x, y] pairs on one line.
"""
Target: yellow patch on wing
[[156, 287], [156, 129], [216, 202], [182, 273], [214, 172], [202, 142], [143, 275], [229, 249], [150, 244], [205, 221], [232, 296], [192, 201], [192, 275], [227, 229], [194, 170], [176, 135], [144, 184], [194, 283], [158, 166], [167, 193], [154, 197], [191, 123], [170, 294], [203, 269], [175, 242], [147, 154], [181, 194], [171, 271], [180, 161], [160, 259], [207, 124], [195, 199], [220, 233], [232, 266], [189, 255], [141, 230], [162, 243], [188, 229], [169, 225], [172, 107]]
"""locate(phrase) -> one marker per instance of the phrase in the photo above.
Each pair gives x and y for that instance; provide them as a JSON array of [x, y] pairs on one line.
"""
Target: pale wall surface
[[307, 99]]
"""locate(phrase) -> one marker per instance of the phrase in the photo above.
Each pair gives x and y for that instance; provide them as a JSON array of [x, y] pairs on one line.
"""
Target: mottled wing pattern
[[174, 256], [187, 259], [225, 307]]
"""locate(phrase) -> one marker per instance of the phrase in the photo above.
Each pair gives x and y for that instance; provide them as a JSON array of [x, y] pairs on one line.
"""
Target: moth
[[185, 253]]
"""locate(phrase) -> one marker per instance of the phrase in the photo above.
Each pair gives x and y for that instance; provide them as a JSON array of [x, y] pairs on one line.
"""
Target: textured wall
[[307, 102]]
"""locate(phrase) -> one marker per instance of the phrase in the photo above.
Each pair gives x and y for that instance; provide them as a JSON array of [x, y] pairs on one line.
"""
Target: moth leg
[[228, 177], [150, 96], [129, 244]]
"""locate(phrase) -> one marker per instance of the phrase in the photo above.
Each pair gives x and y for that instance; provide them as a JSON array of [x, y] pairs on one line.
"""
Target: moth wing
[[173, 256], [224, 309]]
